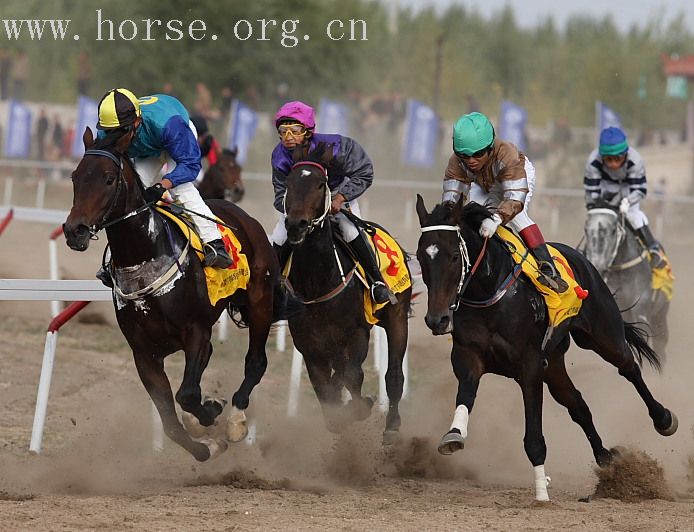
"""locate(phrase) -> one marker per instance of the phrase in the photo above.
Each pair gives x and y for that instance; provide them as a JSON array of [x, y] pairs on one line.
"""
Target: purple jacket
[[350, 173]]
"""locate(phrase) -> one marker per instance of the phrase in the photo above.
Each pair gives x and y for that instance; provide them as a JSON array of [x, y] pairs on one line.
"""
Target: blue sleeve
[[179, 141]]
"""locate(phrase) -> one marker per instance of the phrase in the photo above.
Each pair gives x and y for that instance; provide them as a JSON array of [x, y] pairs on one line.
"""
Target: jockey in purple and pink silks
[[349, 175]]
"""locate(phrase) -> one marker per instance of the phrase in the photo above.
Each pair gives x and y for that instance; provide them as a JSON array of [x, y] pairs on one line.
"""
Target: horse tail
[[637, 340]]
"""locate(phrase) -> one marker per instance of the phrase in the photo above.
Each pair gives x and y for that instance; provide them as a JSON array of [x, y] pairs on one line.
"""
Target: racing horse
[[498, 321], [332, 332], [623, 262], [160, 293], [222, 180]]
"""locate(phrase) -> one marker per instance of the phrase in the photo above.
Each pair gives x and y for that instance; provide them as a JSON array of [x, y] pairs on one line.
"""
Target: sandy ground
[[98, 470]]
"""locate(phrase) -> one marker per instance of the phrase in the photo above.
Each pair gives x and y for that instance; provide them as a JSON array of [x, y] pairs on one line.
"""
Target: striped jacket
[[627, 181]]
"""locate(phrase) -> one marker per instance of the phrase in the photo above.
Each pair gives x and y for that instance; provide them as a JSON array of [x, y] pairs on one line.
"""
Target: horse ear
[[88, 138], [457, 210], [421, 210], [233, 152], [300, 153]]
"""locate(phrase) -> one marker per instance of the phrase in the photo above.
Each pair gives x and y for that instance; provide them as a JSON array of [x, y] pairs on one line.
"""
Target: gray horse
[[623, 262]]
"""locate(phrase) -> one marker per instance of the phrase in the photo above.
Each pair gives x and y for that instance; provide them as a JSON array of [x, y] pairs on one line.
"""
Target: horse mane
[[472, 215]]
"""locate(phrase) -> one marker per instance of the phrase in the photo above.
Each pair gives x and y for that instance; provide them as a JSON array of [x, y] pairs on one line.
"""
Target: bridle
[[103, 224], [465, 260], [621, 234], [316, 222]]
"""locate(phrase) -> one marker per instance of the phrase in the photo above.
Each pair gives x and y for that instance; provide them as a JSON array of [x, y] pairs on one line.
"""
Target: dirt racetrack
[[98, 470]]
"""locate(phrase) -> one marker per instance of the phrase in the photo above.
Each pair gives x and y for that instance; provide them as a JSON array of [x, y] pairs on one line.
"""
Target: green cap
[[471, 133]]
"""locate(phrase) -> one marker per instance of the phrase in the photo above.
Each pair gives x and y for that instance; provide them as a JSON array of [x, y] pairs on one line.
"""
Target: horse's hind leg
[[609, 341], [151, 371], [397, 332], [565, 393], [353, 376], [260, 320]]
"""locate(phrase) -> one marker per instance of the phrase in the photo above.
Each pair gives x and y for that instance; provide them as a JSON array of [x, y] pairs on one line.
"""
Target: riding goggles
[[293, 130], [478, 154]]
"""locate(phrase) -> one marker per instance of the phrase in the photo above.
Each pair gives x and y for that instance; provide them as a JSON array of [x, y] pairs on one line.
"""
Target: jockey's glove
[[154, 193], [489, 225], [624, 205]]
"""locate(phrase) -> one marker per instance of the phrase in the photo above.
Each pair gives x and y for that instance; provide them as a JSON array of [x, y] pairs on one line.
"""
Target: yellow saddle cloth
[[393, 265], [662, 278], [559, 306], [221, 283]]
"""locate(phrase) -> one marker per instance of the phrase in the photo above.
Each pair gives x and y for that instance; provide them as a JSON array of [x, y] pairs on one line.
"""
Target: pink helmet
[[298, 111]]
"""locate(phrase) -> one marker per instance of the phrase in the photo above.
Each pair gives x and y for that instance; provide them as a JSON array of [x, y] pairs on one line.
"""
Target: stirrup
[[656, 259], [380, 293], [215, 257], [105, 277], [551, 280]]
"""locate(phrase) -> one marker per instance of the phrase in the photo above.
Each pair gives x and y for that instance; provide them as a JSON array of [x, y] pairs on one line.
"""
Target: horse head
[[223, 179], [443, 263], [604, 232], [307, 200], [100, 183]]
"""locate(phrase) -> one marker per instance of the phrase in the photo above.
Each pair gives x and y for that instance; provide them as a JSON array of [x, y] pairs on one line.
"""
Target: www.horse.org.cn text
[[287, 33]]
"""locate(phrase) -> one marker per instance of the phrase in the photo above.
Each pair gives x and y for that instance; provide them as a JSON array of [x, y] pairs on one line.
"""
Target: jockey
[[616, 173], [163, 145], [495, 174], [209, 147], [349, 175]]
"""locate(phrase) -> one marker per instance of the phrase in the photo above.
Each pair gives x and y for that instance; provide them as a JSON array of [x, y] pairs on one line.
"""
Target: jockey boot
[[654, 247], [380, 292], [548, 273], [216, 254], [283, 251], [104, 275]]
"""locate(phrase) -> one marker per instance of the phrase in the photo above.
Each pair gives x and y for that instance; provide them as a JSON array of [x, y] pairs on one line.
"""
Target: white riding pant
[[153, 169], [348, 231], [635, 216], [496, 195]]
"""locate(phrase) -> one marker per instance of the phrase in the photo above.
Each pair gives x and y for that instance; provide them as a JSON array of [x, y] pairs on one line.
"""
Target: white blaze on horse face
[[305, 173], [460, 420], [432, 251]]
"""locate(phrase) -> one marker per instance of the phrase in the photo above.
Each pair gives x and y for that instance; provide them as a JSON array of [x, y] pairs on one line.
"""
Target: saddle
[[221, 283], [559, 306]]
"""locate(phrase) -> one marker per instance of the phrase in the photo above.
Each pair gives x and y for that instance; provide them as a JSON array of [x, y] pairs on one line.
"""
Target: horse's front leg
[[468, 369], [198, 351], [260, 320], [534, 442], [153, 377]]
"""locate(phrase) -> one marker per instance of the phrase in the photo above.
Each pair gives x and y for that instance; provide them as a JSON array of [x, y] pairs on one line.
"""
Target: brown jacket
[[506, 163]]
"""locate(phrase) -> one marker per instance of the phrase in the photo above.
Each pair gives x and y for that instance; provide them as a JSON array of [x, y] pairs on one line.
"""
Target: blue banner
[[420, 141], [333, 117], [87, 116], [606, 117], [243, 122], [512, 121], [18, 137]]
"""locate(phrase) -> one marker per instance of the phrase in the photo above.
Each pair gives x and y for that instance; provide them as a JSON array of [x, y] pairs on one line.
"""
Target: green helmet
[[471, 133]]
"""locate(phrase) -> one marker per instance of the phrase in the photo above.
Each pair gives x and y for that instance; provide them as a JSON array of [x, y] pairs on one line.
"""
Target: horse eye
[[455, 257], [110, 178]]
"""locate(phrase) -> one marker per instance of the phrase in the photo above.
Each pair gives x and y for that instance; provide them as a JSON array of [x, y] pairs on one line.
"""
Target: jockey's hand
[[154, 193], [489, 225], [624, 205], [336, 204]]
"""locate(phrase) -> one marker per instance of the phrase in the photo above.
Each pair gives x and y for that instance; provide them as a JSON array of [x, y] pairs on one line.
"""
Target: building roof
[[678, 66]]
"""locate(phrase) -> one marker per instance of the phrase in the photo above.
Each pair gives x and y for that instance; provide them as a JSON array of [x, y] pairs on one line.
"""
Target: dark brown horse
[[499, 321], [223, 179], [332, 333], [160, 295]]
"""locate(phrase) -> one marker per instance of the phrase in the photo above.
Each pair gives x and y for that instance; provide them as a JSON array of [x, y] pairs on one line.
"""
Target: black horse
[[332, 333], [498, 322], [160, 295], [622, 260], [222, 180]]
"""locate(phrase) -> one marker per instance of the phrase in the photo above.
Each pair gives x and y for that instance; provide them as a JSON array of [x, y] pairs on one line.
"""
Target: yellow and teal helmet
[[118, 108], [472, 133]]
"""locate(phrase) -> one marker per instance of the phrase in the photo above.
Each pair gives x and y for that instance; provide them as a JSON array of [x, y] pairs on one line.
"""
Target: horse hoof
[[674, 423], [216, 404], [237, 425], [451, 442], [216, 447], [390, 437], [192, 425]]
